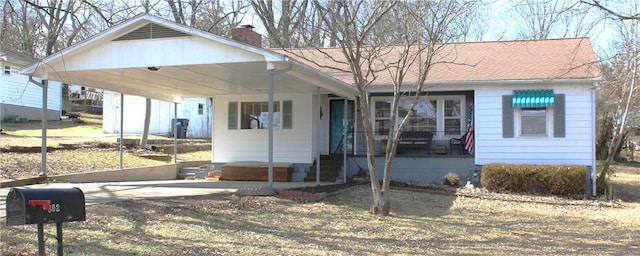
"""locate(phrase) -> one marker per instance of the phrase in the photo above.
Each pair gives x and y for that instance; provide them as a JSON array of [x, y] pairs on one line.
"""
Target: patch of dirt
[[542, 199], [411, 186], [480, 193], [328, 188]]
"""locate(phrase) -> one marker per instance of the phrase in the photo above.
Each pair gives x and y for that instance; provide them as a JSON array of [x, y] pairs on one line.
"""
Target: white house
[[529, 101], [21, 100]]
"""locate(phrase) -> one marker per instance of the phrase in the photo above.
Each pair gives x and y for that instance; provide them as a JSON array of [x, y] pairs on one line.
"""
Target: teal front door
[[336, 115]]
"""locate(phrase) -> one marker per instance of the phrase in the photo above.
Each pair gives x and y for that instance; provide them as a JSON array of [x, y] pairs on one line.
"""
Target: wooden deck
[[256, 171]]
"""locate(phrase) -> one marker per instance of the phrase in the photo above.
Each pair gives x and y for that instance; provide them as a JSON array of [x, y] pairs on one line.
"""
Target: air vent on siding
[[151, 31]]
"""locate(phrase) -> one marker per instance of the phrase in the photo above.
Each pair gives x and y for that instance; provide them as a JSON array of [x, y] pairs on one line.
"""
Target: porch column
[[175, 133], [318, 109], [344, 141], [272, 73], [121, 127]]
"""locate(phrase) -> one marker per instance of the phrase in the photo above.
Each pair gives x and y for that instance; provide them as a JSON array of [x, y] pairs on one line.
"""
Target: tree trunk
[[381, 204], [147, 122]]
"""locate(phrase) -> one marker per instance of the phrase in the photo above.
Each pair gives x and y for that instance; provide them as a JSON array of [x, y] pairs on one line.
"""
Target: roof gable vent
[[151, 31]]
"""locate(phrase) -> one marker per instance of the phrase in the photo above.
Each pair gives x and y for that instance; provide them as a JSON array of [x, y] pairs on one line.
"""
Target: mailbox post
[[45, 205]]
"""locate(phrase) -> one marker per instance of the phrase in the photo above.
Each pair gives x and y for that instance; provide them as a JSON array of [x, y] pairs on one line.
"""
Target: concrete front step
[[330, 167]]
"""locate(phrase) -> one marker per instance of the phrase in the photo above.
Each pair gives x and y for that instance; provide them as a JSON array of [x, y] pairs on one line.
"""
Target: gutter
[[498, 82]]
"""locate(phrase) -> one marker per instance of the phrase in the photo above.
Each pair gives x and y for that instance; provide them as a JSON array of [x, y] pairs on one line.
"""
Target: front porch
[[439, 145], [430, 168], [439, 156]]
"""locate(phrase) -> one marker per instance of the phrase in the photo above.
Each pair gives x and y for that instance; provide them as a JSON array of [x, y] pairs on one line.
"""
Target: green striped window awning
[[532, 98]]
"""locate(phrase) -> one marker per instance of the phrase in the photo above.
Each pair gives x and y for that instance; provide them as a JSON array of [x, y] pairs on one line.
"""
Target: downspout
[[45, 94], [594, 169], [272, 73]]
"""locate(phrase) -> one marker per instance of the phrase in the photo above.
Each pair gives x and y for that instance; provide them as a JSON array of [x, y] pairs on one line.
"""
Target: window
[[531, 113], [7, 70], [452, 117], [423, 119], [382, 118], [255, 115], [533, 121], [433, 114], [200, 108]]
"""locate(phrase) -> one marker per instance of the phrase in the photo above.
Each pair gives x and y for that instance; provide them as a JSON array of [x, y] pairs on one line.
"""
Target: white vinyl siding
[[15, 89], [575, 148], [290, 145]]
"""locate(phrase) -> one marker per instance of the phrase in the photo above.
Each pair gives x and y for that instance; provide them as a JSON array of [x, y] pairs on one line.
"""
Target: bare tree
[[20, 28], [620, 96], [615, 9], [543, 19], [282, 20], [391, 38], [54, 16]]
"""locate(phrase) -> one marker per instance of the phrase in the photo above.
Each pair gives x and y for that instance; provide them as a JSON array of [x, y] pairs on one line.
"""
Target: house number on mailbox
[[54, 208]]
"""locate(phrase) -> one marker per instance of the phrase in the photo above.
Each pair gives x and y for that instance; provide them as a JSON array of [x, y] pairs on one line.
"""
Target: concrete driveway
[[115, 191]]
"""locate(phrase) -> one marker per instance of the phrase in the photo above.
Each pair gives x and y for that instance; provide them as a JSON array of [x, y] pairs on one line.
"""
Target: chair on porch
[[458, 143]]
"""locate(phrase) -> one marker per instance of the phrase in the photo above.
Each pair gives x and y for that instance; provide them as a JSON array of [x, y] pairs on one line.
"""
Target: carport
[[155, 58]]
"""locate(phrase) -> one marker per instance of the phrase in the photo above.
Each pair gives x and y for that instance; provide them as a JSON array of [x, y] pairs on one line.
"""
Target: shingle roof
[[17, 57], [571, 58]]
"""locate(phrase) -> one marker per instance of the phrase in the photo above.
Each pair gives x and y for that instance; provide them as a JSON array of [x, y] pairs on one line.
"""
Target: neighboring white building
[[21, 100], [196, 110]]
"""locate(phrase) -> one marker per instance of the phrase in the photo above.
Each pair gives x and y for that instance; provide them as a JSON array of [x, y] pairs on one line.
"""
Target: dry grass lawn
[[23, 165], [421, 223]]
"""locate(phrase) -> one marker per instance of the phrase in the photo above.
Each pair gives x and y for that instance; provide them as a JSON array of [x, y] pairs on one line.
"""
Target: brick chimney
[[245, 34]]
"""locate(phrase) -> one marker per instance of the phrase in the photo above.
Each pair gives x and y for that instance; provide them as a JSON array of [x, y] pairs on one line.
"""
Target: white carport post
[[175, 132], [344, 141], [272, 73], [45, 101], [318, 109], [45, 98], [121, 127]]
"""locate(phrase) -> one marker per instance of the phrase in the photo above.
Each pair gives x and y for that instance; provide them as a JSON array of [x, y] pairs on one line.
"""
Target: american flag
[[468, 143]]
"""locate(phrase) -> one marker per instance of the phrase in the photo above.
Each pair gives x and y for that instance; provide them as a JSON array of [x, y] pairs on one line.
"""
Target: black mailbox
[[44, 205]]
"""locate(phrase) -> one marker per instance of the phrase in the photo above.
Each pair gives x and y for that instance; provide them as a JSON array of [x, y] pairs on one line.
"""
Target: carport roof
[[152, 57]]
